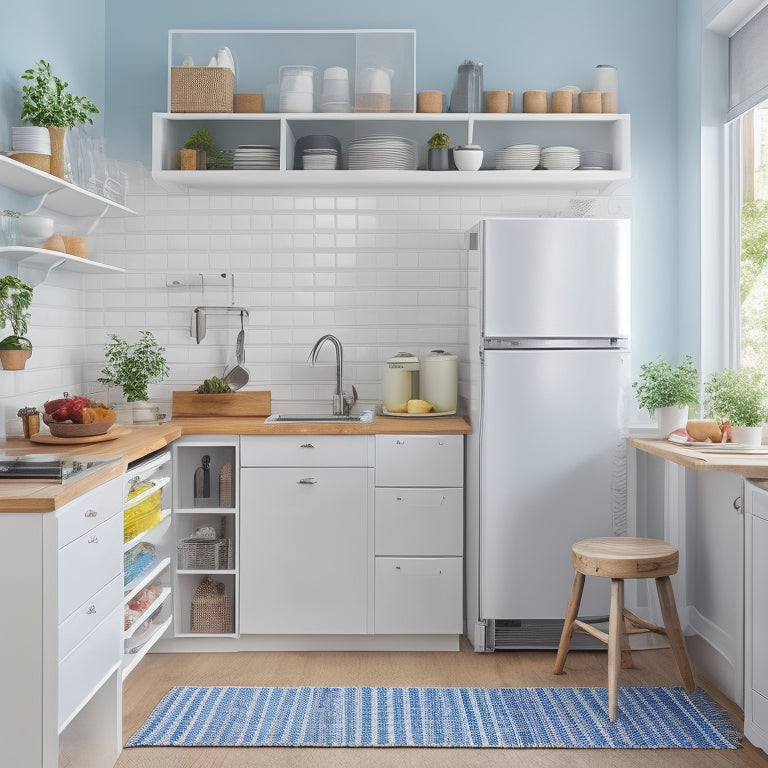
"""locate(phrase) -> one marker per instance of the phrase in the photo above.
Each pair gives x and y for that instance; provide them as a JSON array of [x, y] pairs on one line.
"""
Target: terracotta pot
[[57, 150], [14, 359]]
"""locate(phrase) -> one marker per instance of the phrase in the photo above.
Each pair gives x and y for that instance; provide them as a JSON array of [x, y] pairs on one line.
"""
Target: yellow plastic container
[[143, 516]]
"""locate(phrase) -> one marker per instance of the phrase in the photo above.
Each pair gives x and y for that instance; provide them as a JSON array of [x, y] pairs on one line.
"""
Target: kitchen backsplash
[[385, 273]]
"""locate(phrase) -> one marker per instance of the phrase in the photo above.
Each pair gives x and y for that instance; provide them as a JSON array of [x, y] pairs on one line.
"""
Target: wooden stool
[[619, 558]]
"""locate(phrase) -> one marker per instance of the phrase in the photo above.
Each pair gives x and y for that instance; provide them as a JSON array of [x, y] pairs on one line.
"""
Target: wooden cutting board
[[256, 403]]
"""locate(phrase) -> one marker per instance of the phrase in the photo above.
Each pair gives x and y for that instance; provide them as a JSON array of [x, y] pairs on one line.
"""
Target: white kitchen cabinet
[[205, 528], [304, 534], [756, 610], [607, 133], [62, 652], [418, 534]]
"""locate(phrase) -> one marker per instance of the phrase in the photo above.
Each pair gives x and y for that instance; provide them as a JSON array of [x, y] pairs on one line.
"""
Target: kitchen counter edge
[[742, 464], [28, 496]]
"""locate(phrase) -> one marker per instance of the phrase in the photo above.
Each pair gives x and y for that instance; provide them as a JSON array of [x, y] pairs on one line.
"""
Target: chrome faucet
[[341, 402]]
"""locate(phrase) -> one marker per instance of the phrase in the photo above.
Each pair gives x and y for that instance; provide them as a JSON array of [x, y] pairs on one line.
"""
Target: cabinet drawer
[[419, 521], [418, 595], [306, 451], [420, 460], [89, 510], [89, 615], [88, 665], [88, 563]]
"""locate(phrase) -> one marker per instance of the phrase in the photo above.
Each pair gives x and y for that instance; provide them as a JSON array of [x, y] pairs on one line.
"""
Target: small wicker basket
[[198, 554], [211, 609], [202, 89]]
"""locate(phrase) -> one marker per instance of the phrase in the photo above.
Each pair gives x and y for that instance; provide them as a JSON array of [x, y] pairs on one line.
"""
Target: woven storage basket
[[204, 554], [202, 89], [211, 609]]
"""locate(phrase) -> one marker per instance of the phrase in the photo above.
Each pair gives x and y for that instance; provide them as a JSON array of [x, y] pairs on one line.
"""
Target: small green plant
[[213, 386], [10, 214], [737, 395], [15, 299], [45, 100], [133, 366], [202, 139], [439, 141], [661, 384]]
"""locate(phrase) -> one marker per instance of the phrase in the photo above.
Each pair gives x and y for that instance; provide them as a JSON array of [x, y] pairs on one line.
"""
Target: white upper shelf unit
[[605, 133], [59, 196]]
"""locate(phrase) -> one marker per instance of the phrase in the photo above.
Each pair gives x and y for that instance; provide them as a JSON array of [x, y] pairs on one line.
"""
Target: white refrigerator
[[548, 372]]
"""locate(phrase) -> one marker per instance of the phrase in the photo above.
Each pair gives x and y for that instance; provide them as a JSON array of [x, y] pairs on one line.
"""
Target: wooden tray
[[48, 439], [258, 403]]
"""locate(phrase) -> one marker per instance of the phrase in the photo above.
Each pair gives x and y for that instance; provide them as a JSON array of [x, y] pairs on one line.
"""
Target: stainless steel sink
[[310, 418]]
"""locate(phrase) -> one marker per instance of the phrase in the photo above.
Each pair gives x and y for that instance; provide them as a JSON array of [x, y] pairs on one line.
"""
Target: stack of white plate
[[374, 152], [320, 159], [31, 139], [560, 158], [518, 157], [593, 160], [256, 157]]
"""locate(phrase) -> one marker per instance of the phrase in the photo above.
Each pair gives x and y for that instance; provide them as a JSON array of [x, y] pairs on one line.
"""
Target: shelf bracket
[[35, 276], [97, 220], [41, 202]]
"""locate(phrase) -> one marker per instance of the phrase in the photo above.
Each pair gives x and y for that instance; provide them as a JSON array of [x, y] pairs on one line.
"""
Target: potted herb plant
[[437, 155], [46, 102], [739, 396], [15, 298], [200, 152], [668, 391], [132, 367]]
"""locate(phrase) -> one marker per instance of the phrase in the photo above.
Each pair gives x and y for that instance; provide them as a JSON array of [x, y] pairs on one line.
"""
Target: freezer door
[[553, 471], [556, 277]]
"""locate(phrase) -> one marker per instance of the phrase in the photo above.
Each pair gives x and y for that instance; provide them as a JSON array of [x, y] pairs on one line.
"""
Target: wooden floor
[[151, 680]]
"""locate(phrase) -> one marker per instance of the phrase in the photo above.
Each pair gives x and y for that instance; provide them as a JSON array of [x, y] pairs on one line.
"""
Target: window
[[752, 346]]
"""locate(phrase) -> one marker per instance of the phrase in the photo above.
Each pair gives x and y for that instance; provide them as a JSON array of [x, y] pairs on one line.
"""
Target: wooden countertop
[[34, 496], [751, 466]]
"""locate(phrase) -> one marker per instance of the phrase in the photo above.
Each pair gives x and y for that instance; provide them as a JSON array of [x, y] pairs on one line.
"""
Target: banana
[[419, 406]]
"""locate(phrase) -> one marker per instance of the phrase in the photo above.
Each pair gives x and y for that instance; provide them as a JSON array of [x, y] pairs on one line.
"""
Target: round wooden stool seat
[[619, 557]]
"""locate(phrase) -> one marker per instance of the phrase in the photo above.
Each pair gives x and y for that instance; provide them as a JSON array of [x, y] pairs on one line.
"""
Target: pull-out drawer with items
[[418, 534]]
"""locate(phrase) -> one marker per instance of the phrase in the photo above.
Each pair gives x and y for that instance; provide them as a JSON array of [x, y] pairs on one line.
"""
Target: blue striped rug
[[435, 717]]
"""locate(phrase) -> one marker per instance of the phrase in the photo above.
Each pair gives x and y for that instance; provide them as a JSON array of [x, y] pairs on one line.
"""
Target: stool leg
[[615, 632], [674, 632], [571, 614]]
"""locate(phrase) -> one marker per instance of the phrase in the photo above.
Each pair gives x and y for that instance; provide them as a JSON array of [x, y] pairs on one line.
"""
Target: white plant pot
[[671, 418], [747, 435], [144, 412]]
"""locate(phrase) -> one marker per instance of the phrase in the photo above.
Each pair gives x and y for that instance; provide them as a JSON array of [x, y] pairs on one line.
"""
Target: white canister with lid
[[439, 380], [399, 381]]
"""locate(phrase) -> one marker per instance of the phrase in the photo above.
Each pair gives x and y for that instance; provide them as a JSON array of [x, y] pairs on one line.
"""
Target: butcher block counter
[[744, 464], [36, 496]]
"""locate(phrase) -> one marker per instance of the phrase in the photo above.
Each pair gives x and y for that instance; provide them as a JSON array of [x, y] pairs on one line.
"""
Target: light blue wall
[[116, 53]]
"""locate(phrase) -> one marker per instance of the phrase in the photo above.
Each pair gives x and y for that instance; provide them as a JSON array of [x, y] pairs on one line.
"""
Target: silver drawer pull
[[91, 513], [91, 609], [399, 442], [306, 445], [307, 481], [93, 540], [399, 498]]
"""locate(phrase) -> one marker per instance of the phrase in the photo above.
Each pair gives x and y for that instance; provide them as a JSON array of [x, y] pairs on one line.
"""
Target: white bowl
[[468, 159], [35, 230]]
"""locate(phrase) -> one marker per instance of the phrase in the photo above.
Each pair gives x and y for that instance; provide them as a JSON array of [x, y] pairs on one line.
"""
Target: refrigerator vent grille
[[541, 633]]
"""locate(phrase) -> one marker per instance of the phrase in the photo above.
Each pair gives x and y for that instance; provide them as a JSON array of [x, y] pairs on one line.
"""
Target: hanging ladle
[[237, 376]]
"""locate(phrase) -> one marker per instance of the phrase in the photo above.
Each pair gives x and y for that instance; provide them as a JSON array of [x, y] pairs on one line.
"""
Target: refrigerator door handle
[[527, 342]]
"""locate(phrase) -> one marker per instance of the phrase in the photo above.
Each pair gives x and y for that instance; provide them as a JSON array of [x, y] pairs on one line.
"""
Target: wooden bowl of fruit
[[77, 417]]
